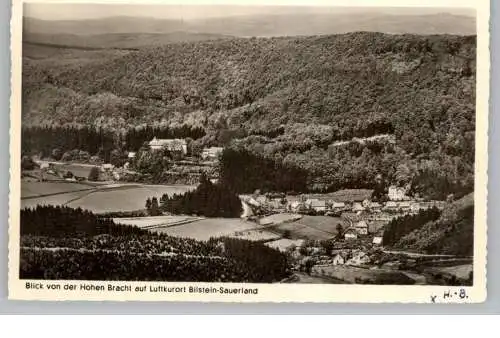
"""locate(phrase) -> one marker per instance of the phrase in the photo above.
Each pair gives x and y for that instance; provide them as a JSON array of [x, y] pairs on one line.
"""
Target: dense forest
[[60, 221], [65, 243], [297, 102], [452, 233], [401, 226], [54, 141]]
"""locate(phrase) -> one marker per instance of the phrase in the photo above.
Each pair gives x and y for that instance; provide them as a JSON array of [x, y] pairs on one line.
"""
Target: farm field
[[311, 227], [59, 199], [310, 233], [279, 218], [121, 199], [322, 223], [207, 228], [144, 222], [98, 199]]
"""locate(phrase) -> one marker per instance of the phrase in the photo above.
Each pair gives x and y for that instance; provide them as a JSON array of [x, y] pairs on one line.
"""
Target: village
[[346, 241], [360, 215], [337, 237]]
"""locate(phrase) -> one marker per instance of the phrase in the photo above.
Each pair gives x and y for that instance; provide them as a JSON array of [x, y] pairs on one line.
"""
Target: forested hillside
[[452, 233], [289, 100]]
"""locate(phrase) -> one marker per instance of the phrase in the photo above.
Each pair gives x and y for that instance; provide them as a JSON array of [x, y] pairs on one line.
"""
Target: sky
[[53, 11]]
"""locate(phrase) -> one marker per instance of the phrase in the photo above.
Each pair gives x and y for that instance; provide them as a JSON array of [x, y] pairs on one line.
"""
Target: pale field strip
[[122, 252], [156, 221], [104, 197], [207, 228]]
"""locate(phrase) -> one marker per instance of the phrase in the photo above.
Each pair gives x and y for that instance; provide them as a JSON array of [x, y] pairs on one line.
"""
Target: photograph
[[248, 144]]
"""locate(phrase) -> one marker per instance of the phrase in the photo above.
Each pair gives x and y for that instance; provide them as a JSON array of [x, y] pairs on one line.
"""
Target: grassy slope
[[452, 233]]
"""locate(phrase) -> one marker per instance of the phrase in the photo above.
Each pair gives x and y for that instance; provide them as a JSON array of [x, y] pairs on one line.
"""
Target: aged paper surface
[[263, 151]]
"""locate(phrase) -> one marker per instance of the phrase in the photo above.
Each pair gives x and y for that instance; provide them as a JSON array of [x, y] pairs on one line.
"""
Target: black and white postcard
[[232, 151]]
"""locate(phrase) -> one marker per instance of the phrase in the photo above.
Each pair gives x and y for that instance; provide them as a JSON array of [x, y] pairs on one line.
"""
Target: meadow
[[33, 189], [207, 228], [310, 227], [98, 199], [155, 221]]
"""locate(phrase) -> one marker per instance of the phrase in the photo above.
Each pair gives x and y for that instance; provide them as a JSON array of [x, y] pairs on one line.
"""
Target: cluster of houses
[[331, 207], [361, 219], [349, 257]]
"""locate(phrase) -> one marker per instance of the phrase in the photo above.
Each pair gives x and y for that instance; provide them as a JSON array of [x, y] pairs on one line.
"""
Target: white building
[[179, 145], [361, 227], [296, 205], [316, 204], [131, 155], [107, 167], [338, 260], [357, 207], [359, 258], [338, 205], [405, 206], [350, 233], [397, 193], [391, 206], [377, 240]]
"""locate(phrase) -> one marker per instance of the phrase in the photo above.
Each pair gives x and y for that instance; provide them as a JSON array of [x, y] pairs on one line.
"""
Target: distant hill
[[113, 25], [308, 24], [452, 233], [117, 40], [265, 25]]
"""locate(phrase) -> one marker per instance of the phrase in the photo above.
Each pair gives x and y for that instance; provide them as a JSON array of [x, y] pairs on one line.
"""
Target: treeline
[[239, 261], [244, 172], [64, 243], [401, 226], [208, 199], [54, 141], [60, 221]]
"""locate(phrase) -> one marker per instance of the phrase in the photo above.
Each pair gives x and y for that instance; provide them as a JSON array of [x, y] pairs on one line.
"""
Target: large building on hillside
[[397, 194], [178, 145]]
